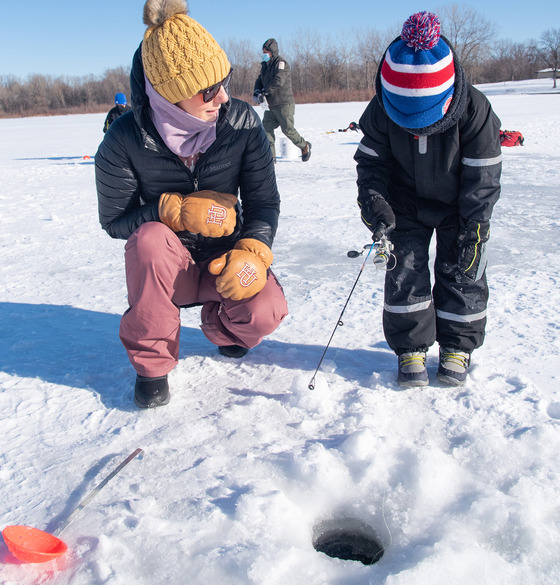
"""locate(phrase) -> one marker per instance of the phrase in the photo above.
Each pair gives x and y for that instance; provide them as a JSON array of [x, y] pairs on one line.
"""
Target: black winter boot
[[151, 392], [233, 351]]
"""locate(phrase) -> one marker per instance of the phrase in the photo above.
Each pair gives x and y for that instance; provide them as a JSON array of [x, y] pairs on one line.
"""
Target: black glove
[[472, 255], [258, 97], [377, 215]]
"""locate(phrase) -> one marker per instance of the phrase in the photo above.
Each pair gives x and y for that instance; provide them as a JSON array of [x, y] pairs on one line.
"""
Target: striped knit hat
[[418, 74]]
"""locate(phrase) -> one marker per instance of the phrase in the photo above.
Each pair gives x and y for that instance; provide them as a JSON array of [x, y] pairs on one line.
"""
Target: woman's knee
[[269, 307], [153, 240]]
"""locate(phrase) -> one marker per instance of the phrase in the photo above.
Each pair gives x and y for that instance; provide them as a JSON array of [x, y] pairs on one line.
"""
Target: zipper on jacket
[[422, 144], [195, 180]]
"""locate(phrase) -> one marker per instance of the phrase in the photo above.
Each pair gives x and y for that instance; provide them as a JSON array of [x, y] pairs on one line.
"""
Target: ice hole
[[348, 539]]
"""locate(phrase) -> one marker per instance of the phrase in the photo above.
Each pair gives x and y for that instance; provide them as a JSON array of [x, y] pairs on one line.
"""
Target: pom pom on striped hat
[[418, 74], [421, 31]]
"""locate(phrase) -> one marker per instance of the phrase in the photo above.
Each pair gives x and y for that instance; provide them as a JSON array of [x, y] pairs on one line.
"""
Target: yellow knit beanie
[[180, 56]]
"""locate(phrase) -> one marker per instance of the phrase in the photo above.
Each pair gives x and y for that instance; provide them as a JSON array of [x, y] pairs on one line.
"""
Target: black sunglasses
[[211, 92]]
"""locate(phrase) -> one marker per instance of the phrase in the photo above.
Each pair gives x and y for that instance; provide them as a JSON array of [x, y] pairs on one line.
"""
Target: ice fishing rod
[[382, 258]]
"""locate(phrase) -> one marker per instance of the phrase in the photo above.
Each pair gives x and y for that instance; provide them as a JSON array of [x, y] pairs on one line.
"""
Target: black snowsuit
[[431, 178], [115, 113], [134, 167], [275, 82]]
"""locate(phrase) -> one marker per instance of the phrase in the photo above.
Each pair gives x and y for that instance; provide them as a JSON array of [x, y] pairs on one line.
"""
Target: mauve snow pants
[[161, 277]]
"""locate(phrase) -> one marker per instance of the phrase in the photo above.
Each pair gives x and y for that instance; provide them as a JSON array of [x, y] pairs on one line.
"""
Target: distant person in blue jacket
[[120, 108]]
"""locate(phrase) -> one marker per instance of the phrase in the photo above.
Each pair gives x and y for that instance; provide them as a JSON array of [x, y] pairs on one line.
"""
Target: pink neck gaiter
[[184, 134]]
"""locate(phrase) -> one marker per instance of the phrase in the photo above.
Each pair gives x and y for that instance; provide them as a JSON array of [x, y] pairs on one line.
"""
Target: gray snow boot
[[453, 366], [412, 369]]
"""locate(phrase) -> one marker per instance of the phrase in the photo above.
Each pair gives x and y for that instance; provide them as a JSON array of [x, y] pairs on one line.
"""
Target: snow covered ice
[[245, 464]]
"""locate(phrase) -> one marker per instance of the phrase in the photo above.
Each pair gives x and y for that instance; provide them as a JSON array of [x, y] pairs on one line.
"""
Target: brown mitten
[[208, 213], [242, 271]]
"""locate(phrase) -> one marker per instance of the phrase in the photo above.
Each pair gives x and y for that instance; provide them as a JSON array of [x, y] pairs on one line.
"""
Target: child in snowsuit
[[430, 160]]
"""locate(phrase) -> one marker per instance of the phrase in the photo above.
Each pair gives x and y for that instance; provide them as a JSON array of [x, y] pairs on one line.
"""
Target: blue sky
[[75, 38]]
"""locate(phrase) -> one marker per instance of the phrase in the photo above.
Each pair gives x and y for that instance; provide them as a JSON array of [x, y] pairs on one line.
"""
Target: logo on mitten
[[247, 275], [216, 214]]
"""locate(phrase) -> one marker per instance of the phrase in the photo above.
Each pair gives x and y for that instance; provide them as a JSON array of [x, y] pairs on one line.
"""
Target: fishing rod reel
[[383, 257]]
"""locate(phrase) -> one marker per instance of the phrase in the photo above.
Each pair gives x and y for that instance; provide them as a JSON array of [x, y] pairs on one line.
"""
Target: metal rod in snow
[[339, 322], [95, 491]]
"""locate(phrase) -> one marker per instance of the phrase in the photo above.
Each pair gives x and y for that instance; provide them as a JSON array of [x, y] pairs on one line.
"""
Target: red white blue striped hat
[[418, 74]]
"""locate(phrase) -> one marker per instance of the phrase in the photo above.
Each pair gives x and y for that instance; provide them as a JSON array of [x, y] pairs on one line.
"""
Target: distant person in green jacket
[[274, 85], [120, 108]]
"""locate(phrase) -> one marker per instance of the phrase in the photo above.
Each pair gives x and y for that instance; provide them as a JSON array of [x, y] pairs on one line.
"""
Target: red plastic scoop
[[31, 545]]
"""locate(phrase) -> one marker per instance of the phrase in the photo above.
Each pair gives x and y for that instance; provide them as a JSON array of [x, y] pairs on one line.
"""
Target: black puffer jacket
[[275, 78], [451, 167], [134, 167]]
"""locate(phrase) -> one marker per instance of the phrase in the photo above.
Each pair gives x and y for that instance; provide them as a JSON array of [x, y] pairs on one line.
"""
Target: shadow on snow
[[79, 348]]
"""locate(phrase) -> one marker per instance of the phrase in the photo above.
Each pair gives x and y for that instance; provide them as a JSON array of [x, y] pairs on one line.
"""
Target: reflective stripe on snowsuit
[[415, 314]]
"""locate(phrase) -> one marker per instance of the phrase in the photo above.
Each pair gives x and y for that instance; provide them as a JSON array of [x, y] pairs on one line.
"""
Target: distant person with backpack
[[430, 160], [274, 85], [120, 108]]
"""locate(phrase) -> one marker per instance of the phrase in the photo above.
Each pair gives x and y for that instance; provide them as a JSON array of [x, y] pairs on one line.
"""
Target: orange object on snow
[[32, 545]]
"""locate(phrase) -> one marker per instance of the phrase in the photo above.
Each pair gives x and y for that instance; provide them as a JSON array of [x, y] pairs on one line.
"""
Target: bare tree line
[[324, 68], [41, 94]]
